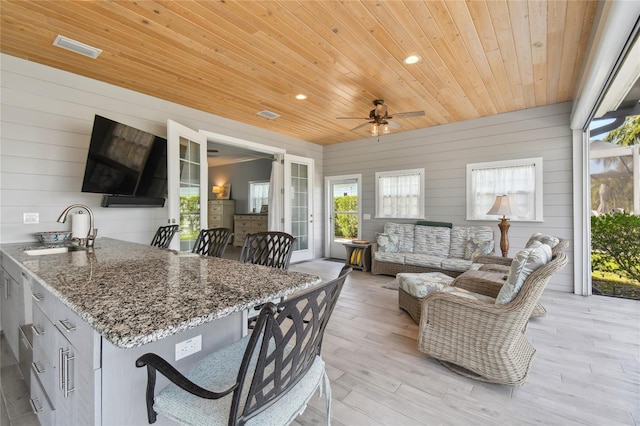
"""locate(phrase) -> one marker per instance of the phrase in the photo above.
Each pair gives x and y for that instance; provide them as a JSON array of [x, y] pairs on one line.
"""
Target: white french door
[[343, 216], [187, 181], [298, 205]]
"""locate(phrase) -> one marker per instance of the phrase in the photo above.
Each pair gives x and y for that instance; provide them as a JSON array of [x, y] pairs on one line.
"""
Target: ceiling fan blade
[[360, 126], [408, 114], [352, 118], [393, 124]]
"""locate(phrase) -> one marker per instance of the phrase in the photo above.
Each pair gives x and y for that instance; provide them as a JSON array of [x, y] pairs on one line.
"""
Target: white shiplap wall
[[444, 152], [46, 121]]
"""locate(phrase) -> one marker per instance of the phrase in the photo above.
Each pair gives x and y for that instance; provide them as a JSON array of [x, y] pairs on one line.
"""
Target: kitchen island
[[95, 312]]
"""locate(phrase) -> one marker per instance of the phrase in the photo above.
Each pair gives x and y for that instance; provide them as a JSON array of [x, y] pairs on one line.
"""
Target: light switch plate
[[366, 216], [188, 347], [30, 218]]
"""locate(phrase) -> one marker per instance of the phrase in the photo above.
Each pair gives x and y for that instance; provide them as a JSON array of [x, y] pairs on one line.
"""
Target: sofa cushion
[[405, 234], [382, 256], [476, 247], [432, 240], [461, 234], [420, 284], [423, 260], [387, 242], [549, 240], [524, 263], [451, 264]]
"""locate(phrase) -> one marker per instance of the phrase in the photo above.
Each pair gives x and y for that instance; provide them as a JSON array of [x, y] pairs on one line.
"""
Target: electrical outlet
[[30, 218], [188, 347], [366, 216]]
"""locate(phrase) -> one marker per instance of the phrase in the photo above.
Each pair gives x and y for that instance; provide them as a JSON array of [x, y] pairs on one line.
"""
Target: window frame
[[395, 173], [251, 185], [538, 186]]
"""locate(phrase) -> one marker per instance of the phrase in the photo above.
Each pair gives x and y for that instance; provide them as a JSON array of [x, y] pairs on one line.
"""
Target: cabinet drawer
[[12, 268], [77, 331], [215, 209], [215, 218], [259, 226], [40, 404], [44, 367], [43, 299]]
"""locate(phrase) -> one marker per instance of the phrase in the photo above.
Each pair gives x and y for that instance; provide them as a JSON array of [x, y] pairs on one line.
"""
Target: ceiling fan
[[380, 120]]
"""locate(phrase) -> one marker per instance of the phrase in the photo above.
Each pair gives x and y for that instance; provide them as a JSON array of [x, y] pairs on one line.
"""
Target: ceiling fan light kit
[[380, 120]]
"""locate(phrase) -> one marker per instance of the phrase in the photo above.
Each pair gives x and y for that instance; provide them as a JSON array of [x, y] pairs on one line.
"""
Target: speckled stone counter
[[133, 294]]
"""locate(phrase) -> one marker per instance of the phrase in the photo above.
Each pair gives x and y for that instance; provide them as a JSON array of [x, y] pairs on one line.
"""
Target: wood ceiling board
[[235, 58]]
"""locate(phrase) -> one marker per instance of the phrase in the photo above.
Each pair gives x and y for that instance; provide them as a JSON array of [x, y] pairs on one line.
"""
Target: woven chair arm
[[374, 248], [486, 287], [463, 313], [491, 259]]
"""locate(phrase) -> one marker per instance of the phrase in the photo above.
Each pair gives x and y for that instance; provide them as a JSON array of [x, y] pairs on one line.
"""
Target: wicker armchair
[[496, 267], [481, 340]]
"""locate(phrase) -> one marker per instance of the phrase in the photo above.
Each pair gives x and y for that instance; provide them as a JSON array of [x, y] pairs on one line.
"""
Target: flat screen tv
[[125, 161]]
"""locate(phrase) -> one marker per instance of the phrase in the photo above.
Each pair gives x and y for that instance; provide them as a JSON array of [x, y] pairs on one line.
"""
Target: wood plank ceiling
[[234, 59]]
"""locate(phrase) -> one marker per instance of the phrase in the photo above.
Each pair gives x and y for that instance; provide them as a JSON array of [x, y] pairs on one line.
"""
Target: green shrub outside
[[615, 242], [346, 225]]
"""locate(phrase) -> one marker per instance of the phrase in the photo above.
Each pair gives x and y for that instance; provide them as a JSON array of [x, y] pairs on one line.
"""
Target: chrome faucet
[[91, 236]]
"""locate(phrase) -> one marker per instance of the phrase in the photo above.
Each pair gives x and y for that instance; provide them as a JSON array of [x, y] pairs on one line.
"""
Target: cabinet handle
[[35, 409], [68, 327], [37, 330], [6, 288], [65, 373], [38, 297], [36, 367], [60, 368]]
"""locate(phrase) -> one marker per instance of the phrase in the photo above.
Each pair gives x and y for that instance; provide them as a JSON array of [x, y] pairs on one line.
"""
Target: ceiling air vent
[[76, 46], [268, 114]]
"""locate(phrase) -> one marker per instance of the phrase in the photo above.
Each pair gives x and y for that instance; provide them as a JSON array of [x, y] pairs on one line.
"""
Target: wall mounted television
[[127, 164]]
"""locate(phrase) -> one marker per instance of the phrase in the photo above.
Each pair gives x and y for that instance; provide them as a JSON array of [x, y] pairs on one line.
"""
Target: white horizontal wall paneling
[[47, 117], [444, 152]]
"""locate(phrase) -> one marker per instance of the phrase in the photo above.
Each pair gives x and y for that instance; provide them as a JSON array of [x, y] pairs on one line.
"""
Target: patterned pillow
[[387, 242], [475, 247], [524, 263], [549, 240]]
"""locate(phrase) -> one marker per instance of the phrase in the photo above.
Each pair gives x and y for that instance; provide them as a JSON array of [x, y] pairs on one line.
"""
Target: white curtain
[[399, 196], [518, 182], [275, 194]]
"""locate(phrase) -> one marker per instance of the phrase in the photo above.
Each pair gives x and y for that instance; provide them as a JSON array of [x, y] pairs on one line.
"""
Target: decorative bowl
[[53, 236]]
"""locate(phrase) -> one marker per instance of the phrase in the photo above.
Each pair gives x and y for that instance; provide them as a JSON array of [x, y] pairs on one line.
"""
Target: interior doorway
[[343, 213]]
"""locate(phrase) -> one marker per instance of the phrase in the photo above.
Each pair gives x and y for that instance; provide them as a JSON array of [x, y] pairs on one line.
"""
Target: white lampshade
[[501, 206]]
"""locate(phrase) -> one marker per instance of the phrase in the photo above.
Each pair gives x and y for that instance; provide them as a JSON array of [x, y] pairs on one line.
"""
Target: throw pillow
[[549, 240], [524, 263], [387, 242], [475, 247]]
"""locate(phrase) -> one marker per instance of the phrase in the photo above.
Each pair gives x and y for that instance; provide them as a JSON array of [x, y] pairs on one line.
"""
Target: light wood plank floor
[[586, 370]]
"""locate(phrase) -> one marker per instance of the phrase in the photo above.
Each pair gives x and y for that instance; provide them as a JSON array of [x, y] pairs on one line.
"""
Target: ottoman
[[413, 287]]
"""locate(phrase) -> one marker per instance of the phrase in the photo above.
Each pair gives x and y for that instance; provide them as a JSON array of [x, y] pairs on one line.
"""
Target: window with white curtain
[[258, 195], [520, 179], [400, 194]]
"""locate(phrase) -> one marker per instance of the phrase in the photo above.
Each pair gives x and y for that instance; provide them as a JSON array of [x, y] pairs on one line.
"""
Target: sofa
[[428, 246]]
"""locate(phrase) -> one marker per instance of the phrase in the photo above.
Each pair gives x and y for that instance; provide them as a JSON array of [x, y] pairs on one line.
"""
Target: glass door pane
[[187, 183], [298, 203]]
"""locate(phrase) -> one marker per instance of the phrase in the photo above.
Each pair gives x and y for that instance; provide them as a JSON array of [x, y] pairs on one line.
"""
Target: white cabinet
[[12, 304], [66, 364], [248, 224], [220, 213]]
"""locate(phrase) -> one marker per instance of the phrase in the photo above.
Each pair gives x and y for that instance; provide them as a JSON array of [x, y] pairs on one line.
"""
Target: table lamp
[[502, 207]]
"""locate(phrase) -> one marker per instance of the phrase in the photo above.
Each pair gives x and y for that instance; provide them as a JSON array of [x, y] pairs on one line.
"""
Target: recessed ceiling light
[[76, 46], [411, 59], [301, 96]]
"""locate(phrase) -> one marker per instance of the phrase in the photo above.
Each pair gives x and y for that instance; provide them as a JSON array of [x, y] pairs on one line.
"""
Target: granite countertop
[[133, 294]]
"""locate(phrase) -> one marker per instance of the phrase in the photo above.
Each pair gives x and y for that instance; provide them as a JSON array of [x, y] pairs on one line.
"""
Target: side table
[[358, 256]]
